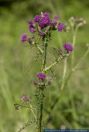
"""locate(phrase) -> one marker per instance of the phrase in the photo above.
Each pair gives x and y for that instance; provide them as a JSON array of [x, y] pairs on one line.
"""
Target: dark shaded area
[[7, 3]]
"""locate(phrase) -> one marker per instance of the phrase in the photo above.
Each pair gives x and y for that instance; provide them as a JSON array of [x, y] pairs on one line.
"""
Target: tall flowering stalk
[[41, 28]]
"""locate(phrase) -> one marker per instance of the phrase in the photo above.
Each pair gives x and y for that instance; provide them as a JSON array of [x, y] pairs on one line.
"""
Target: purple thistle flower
[[31, 29], [60, 27], [32, 26], [37, 18], [41, 76], [68, 47], [24, 37], [45, 20]]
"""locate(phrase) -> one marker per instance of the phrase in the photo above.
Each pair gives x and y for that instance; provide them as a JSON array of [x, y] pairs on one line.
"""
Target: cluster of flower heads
[[43, 20], [42, 24]]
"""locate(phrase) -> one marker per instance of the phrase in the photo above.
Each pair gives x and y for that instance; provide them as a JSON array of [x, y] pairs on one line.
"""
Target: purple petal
[[41, 76], [24, 37], [60, 27], [68, 47], [37, 18]]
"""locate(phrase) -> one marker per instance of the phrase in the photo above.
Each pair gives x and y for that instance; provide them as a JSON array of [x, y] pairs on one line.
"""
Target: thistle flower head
[[24, 37], [41, 76], [61, 27], [42, 26], [68, 47], [37, 18], [44, 20]]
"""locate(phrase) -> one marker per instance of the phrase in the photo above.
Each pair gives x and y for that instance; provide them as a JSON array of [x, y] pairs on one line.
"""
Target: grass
[[18, 66]]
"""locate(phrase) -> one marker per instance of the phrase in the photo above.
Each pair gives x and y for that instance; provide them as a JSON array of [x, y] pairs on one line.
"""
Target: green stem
[[81, 60], [26, 125], [31, 108], [41, 90], [64, 74], [45, 54], [62, 87], [40, 50], [49, 67], [53, 64], [41, 110], [26, 106], [74, 42]]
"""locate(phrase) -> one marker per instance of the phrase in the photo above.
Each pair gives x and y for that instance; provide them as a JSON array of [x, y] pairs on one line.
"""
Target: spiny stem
[[41, 110], [31, 108], [40, 50], [26, 125], [45, 54], [26, 106], [53, 64], [41, 97], [49, 67]]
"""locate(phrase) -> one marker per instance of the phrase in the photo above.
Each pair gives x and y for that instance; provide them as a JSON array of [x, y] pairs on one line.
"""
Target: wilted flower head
[[24, 37], [41, 76], [77, 22], [25, 98], [68, 47]]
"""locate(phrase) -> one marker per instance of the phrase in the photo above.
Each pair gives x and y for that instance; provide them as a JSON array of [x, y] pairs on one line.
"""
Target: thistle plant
[[41, 28]]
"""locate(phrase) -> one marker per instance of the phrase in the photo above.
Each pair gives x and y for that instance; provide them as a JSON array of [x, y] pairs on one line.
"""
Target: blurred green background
[[18, 65]]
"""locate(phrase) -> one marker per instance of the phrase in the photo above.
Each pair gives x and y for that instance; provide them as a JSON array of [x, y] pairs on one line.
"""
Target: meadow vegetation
[[19, 64]]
